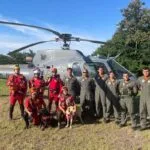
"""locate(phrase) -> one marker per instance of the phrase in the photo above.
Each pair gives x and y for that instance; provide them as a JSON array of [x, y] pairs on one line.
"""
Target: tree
[[132, 38], [16, 58]]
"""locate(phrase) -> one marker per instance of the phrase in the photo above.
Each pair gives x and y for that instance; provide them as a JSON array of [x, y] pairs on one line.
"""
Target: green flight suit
[[112, 98], [127, 92], [144, 86], [73, 86], [87, 94], [100, 95]]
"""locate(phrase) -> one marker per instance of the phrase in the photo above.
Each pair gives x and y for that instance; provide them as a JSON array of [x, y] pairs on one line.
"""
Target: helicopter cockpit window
[[118, 69], [91, 68], [76, 70]]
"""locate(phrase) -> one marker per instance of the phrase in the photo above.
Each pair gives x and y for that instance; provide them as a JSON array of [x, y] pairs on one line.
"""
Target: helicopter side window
[[118, 69], [76, 70]]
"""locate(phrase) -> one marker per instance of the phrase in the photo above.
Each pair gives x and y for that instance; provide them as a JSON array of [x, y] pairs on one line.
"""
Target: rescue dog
[[45, 118], [71, 115]]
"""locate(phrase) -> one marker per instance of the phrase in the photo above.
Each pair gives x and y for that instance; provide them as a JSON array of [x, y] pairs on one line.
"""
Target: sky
[[91, 19]]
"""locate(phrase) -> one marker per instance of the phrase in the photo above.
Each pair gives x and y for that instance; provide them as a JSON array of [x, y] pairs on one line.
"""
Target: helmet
[[36, 71], [54, 69], [16, 67]]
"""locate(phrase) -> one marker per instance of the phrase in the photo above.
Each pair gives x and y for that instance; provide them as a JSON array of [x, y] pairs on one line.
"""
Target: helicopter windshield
[[118, 69], [91, 68], [76, 70]]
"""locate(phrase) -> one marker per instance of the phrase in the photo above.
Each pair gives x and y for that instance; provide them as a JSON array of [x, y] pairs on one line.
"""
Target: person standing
[[127, 90], [38, 84], [72, 84], [100, 93], [18, 87], [144, 87], [54, 88], [87, 92], [112, 97]]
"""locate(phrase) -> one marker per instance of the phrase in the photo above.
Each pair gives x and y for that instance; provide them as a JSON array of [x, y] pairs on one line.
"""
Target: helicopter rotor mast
[[65, 37]]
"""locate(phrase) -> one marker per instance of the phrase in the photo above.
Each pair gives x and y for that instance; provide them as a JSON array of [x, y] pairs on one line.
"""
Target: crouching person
[[31, 112], [66, 107]]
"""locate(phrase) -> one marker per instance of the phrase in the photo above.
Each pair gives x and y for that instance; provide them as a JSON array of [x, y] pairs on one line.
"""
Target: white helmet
[[37, 71]]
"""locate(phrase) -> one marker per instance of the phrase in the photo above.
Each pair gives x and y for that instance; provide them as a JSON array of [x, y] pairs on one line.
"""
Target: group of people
[[101, 96]]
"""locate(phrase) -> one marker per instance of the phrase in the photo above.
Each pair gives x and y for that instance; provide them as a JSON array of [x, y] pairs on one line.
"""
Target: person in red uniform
[[31, 111], [18, 86], [65, 100], [38, 84], [54, 87]]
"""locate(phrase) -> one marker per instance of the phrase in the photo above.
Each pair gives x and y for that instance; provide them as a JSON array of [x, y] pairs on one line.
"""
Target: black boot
[[11, 109], [26, 119], [22, 110]]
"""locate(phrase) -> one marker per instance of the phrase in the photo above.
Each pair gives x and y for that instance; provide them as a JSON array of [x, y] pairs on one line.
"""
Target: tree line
[[131, 39]]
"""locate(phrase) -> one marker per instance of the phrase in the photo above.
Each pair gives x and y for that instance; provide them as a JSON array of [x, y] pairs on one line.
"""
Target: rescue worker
[[65, 100], [72, 84], [112, 97], [127, 90], [31, 112], [18, 86], [54, 87], [144, 87], [87, 93], [38, 84], [100, 93]]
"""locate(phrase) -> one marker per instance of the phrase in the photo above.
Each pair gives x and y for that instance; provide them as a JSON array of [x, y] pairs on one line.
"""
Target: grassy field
[[96, 136]]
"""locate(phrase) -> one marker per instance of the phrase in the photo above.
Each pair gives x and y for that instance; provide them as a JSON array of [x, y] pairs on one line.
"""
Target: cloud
[[30, 35]]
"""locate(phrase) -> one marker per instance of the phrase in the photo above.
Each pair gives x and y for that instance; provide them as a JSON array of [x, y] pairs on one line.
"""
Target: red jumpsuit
[[54, 84], [18, 86], [64, 101], [39, 85], [31, 107]]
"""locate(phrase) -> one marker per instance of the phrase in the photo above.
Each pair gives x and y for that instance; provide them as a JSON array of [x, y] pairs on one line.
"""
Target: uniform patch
[[148, 81], [143, 81]]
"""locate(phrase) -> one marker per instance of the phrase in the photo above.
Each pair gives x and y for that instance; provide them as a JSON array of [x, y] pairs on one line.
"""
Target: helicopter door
[[76, 70]]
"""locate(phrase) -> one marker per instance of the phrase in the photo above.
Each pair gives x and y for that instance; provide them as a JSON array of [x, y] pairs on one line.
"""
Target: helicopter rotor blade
[[32, 26], [87, 40], [30, 45]]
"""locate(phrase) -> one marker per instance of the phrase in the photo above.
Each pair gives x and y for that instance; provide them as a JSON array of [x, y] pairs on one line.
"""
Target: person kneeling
[[31, 112], [66, 107]]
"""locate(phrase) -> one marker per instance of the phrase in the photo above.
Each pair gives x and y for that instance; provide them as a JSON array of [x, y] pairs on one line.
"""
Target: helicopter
[[62, 58]]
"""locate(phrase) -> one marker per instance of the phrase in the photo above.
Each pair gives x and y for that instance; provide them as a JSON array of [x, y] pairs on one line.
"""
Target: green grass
[[3, 88], [97, 136]]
